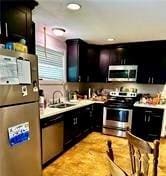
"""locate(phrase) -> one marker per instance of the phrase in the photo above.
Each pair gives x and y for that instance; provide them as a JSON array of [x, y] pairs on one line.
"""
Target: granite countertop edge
[[55, 111], [158, 106]]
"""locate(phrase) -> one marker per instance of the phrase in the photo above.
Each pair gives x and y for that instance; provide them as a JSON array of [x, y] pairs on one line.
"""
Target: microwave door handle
[[128, 74]]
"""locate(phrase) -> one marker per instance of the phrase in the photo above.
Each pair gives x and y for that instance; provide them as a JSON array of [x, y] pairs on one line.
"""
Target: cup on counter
[[2, 45], [9, 45], [85, 97]]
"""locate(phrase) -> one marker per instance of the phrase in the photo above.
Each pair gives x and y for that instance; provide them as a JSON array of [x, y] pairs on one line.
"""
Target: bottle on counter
[[42, 100], [89, 93]]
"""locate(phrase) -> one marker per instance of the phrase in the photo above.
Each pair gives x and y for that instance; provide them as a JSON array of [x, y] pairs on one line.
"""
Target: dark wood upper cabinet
[[16, 22], [76, 60], [152, 64], [93, 74], [90, 63], [104, 62]]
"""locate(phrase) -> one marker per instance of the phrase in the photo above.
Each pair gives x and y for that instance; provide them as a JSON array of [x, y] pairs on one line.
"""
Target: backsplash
[[83, 87], [50, 88], [142, 88]]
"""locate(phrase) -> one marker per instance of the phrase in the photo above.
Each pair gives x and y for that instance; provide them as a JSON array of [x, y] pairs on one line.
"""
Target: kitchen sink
[[61, 105]]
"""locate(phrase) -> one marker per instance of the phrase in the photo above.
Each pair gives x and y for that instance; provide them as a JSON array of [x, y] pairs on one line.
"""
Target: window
[[52, 66]]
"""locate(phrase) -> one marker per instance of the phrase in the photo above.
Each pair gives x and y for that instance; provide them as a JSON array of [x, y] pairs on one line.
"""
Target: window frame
[[51, 81]]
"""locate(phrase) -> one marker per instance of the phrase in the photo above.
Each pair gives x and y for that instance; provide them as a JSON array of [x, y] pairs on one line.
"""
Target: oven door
[[119, 118]]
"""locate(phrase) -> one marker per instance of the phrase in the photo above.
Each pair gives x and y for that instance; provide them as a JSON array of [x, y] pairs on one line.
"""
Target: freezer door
[[12, 94], [22, 159]]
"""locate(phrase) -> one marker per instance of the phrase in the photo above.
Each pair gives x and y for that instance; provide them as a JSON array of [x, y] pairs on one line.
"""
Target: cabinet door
[[159, 66], [98, 117], [152, 64], [104, 62], [139, 123], [76, 124], [68, 128], [82, 61], [93, 64], [72, 61], [154, 124], [76, 60], [115, 56], [2, 25], [86, 119], [17, 19], [146, 66]]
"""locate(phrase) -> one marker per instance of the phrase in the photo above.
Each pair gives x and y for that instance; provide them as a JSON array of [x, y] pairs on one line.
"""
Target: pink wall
[[52, 43]]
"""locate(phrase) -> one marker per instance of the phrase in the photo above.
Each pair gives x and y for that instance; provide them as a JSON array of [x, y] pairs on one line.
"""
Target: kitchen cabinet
[[16, 22], [76, 60], [98, 117], [89, 63], [72, 128], [86, 119], [147, 123], [114, 56], [77, 124], [152, 64], [104, 62], [93, 74]]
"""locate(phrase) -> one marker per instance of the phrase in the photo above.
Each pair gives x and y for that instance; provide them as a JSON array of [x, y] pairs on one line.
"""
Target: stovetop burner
[[116, 100]]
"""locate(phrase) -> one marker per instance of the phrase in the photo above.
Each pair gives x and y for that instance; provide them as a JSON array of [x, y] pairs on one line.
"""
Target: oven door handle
[[120, 109]]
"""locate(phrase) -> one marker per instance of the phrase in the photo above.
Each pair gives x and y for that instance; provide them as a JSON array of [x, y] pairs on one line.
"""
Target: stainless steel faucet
[[56, 91]]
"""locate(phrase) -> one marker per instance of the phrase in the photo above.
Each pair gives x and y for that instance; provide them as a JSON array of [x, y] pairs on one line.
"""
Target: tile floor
[[88, 157]]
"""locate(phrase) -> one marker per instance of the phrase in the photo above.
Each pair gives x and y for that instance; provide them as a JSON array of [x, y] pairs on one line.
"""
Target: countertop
[[54, 111], [137, 104]]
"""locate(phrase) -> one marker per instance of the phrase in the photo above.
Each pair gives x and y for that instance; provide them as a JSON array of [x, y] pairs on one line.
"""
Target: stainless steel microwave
[[122, 73]]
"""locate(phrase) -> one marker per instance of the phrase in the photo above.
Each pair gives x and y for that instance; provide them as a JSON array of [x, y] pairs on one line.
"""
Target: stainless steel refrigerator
[[20, 146]]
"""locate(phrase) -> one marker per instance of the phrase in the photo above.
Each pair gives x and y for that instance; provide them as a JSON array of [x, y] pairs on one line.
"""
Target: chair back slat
[[139, 155], [114, 168]]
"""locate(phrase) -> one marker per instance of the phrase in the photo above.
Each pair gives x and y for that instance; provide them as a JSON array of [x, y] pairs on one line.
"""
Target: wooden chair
[[139, 155], [114, 168]]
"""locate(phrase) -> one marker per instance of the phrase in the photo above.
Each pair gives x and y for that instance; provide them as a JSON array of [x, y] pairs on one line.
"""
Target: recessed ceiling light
[[73, 6], [110, 39], [58, 31]]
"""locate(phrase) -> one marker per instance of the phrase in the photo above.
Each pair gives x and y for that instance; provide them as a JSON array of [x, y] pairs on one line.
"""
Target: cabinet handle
[[149, 80], [149, 118], [124, 61], [145, 118], [79, 78], [6, 29], [152, 80], [148, 111], [0, 28]]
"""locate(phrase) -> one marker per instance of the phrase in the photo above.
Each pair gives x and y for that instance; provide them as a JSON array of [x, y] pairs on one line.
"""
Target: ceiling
[[97, 20]]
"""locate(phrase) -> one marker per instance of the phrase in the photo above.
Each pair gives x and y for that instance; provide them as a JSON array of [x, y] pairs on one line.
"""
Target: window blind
[[50, 67]]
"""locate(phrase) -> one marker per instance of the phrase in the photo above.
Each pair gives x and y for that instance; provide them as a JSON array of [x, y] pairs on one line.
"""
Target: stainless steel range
[[117, 113]]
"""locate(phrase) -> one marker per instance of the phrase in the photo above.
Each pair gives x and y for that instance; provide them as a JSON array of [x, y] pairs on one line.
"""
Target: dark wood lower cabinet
[[147, 123], [80, 122], [77, 124], [98, 117]]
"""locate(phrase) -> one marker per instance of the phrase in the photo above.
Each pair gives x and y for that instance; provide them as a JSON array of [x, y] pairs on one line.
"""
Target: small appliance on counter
[[117, 113]]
